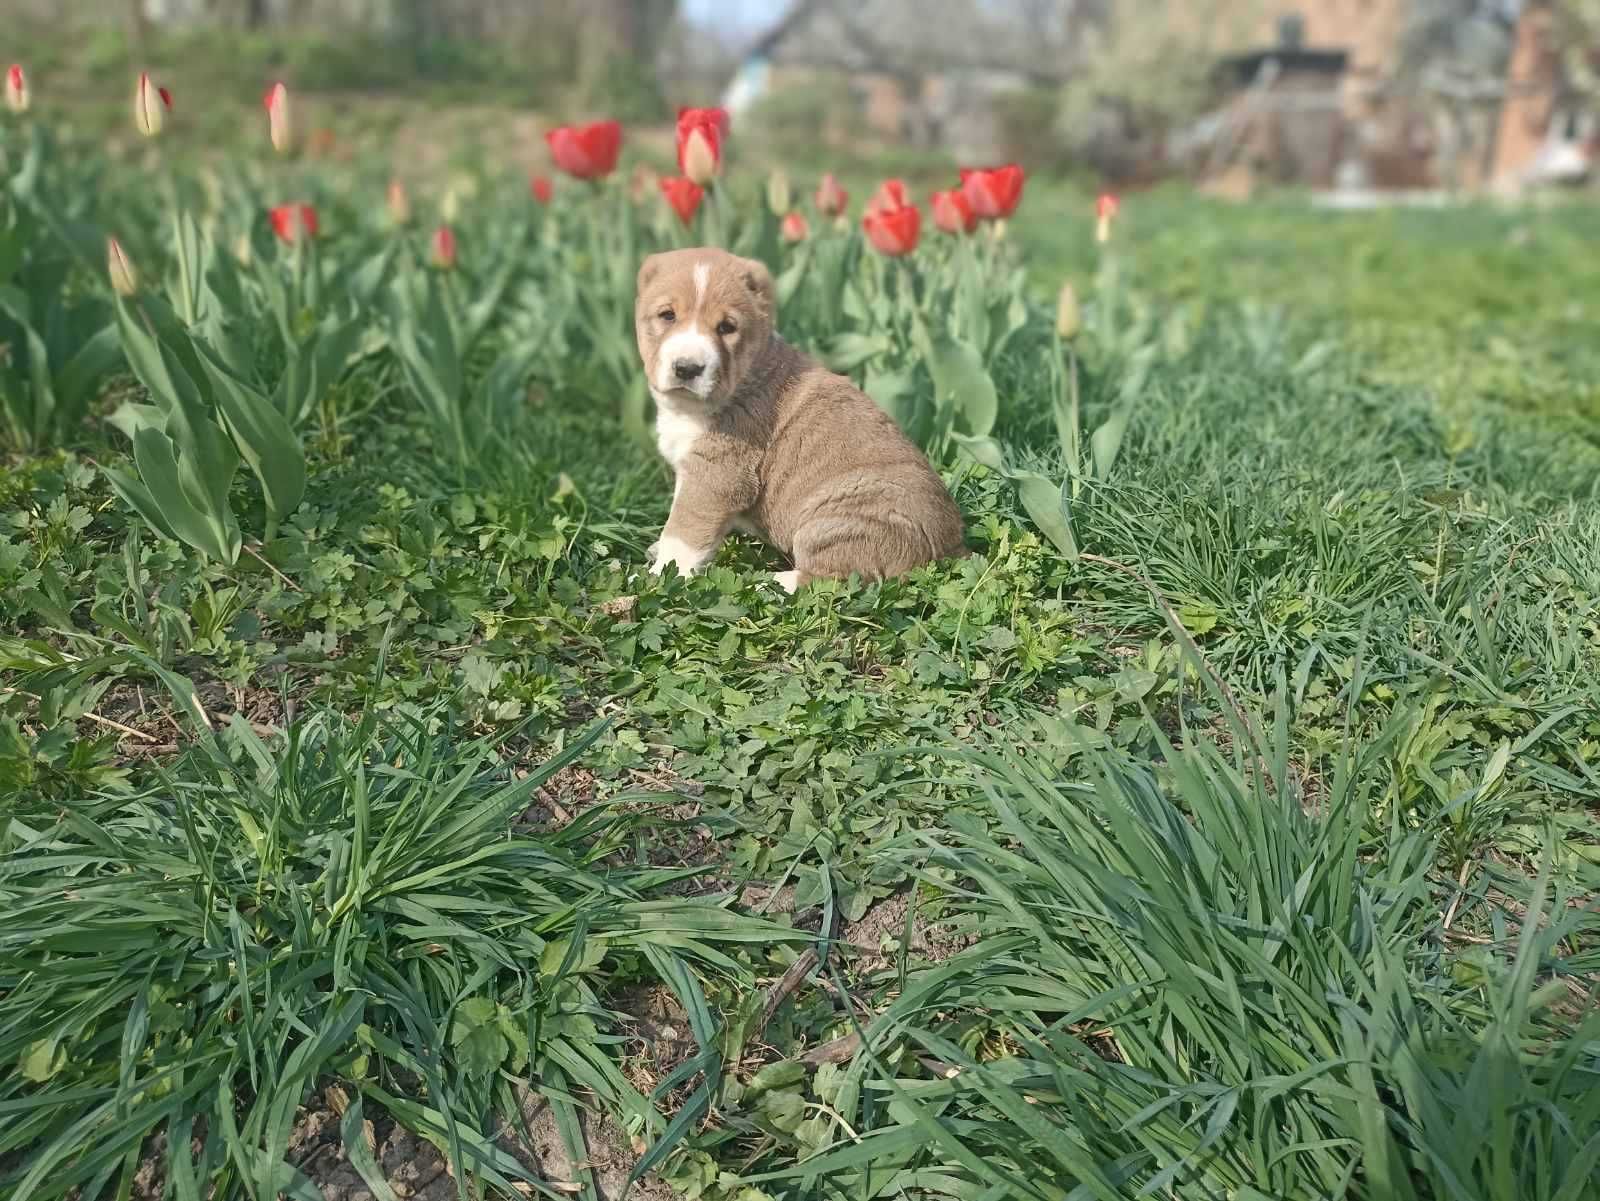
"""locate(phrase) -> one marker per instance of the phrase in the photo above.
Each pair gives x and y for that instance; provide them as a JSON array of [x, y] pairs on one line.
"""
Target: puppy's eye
[[667, 315], [727, 326]]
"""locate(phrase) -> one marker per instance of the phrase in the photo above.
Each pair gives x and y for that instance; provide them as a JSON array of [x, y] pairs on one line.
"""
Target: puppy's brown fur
[[764, 439]]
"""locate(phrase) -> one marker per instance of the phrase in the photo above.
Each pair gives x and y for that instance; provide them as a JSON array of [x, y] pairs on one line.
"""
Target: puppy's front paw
[[675, 550], [789, 581]]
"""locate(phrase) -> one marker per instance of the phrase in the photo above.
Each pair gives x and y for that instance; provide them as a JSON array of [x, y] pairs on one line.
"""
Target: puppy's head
[[702, 317]]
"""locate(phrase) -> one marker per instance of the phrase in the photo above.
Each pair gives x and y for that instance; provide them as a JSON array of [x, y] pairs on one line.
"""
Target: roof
[[1244, 68], [920, 36]]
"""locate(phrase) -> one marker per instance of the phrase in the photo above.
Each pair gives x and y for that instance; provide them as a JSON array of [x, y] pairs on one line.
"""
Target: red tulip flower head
[[832, 199], [952, 213], [994, 192], [1105, 209], [150, 105], [684, 195], [794, 228], [442, 248], [294, 223], [279, 122], [893, 230], [891, 194], [700, 135], [541, 188], [586, 151], [18, 98]]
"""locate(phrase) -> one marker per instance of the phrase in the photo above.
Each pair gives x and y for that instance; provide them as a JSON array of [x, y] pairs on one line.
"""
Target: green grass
[[1324, 930]]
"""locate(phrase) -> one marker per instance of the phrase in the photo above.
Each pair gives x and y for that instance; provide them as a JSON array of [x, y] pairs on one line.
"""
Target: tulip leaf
[[44, 393], [845, 352], [84, 370], [131, 418], [890, 390], [14, 303], [1106, 441], [1047, 505], [214, 533], [264, 438], [959, 377], [143, 352], [137, 497], [985, 451]]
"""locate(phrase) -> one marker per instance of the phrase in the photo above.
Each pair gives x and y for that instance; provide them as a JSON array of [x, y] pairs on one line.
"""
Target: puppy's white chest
[[676, 434]]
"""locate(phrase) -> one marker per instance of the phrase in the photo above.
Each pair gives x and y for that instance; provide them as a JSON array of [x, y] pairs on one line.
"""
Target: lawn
[[375, 824]]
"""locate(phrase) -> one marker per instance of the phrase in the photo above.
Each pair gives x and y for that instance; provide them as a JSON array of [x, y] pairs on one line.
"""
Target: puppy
[[764, 439]]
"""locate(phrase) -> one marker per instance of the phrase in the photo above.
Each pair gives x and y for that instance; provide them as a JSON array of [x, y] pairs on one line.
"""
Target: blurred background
[[1353, 98]]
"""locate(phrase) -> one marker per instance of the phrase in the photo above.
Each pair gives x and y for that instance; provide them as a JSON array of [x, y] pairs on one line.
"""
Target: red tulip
[[794, 228], [1105, 209], [150, 104], [586, 151], [831, 196], [684, 195], [993, 193], [891, 194], [541, 188], [18, 96], [279, 124], [700, 135], [443, 248], [293, 222], [893, 230], [952, 213]]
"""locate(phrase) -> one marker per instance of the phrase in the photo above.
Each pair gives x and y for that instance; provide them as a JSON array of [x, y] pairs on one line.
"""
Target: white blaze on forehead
[[702, 280]]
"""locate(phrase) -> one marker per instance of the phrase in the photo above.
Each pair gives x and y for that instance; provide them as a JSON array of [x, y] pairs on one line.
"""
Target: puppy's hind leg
[[835, 548]]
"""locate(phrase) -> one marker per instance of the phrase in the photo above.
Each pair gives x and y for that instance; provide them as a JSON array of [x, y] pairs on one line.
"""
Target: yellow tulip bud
[[150, 105], [280, 119], [1069, 315], [779, 194], [699, 160], [124, 279]]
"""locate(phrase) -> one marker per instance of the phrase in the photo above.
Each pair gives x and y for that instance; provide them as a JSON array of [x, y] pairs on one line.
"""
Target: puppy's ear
[[648, 270], [758, 279]]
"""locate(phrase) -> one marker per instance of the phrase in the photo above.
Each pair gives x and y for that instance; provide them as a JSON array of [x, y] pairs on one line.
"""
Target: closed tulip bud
[[280, 122], [1105, 209], [699, 159], [399, 203], [794, 228], [150, 105], [683, 196], [831, 197], [1069, 315], [701, 132], [450, 206], [443, 248], [124, 279], [244, 250], [18, 97], [779, 195]]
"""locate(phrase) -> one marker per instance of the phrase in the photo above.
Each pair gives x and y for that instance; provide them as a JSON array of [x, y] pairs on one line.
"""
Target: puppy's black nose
[[687, 369]]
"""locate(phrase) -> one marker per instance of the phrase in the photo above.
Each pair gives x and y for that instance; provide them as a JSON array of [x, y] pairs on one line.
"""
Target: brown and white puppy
[[764, 439]]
